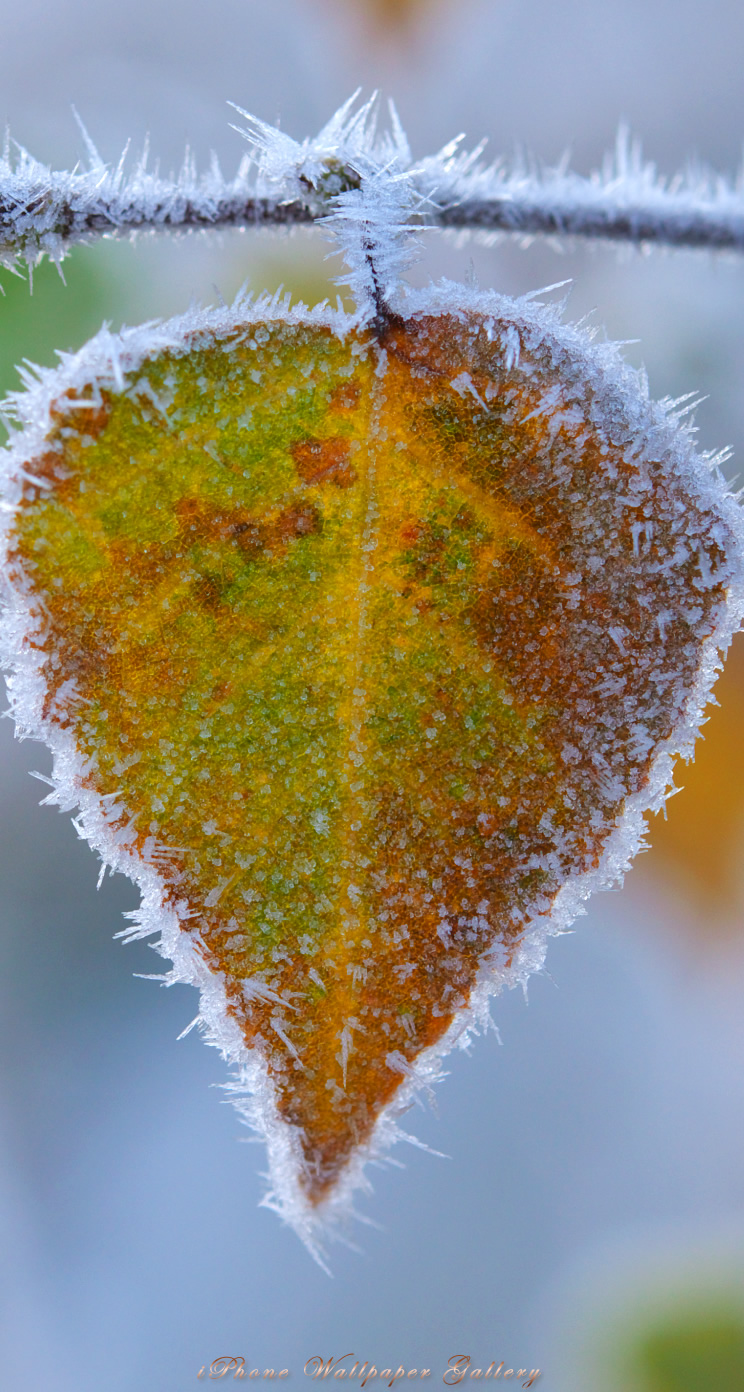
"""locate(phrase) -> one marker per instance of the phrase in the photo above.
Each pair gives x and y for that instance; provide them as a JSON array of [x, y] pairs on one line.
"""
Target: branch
[[626, 201], [552, 213], [282, 183], [43, 212]]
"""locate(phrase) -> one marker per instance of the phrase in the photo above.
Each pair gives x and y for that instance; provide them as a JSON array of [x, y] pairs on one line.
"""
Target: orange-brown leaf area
[[377, 633]]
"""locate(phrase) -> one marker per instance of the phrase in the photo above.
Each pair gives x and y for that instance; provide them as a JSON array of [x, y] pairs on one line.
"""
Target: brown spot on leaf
[[251, 535], [81, 417], [344, 397], [296, 521], [208, 591], [200, 522], [51, 472], [324, 461]]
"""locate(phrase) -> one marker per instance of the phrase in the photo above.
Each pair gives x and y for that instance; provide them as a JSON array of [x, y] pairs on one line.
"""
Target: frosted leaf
[[363, 643], [347, 642]]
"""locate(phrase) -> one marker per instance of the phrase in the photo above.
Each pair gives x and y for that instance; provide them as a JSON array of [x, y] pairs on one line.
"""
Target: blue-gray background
[[605, 1137]]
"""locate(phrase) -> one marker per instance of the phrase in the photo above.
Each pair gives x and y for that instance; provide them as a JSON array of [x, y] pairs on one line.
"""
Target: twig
[[45, 213]]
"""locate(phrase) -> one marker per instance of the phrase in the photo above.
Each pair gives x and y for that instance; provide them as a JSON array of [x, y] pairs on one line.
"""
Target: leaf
[[362, 647]]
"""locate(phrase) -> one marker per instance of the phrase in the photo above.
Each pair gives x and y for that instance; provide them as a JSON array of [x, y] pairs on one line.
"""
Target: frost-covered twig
[[43, 212], [625, 201]]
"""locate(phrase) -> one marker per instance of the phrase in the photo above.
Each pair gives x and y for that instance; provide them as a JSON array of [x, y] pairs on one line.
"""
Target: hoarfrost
[[284, 182]]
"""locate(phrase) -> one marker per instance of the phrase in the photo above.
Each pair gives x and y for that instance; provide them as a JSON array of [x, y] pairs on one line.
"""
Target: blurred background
[[590, 1222]]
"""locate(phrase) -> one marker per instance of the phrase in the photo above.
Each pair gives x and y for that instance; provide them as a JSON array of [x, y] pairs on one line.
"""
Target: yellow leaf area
[[379, 643], [700, 842]]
